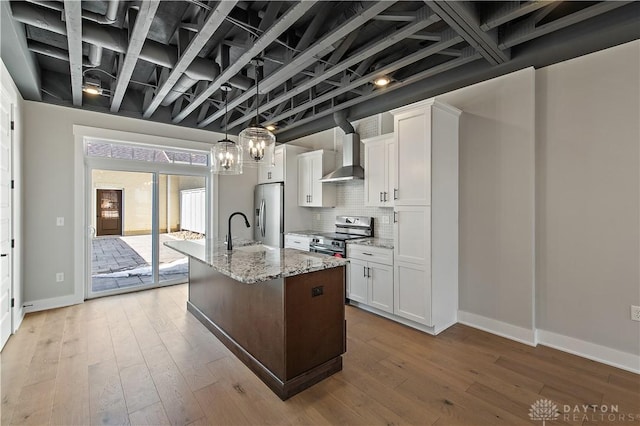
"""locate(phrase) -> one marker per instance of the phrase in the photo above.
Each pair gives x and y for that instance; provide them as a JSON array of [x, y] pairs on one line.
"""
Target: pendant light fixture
[[258, 142], [226, 155]]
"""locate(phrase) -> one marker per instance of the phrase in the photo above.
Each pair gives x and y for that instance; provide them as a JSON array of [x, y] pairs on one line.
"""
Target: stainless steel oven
[[347, 228]]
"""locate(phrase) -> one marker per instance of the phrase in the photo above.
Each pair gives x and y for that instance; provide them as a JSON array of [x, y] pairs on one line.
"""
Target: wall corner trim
[[623, 360], [52, 303], [500, 328]]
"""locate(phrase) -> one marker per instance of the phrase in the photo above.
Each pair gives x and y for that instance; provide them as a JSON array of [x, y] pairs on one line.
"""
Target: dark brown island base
[[280, 311]]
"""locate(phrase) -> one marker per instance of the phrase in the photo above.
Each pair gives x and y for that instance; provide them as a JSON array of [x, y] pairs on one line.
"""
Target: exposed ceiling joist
[[423, 18], [302, 60], [527, 30], [211, 24], [449, 39], [396, 17], [73, 21], [141, 26], [294, 13], [510, 10], [460, 17], [470, 55]]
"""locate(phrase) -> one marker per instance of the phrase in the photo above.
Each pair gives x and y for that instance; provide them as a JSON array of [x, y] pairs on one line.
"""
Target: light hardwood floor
[[141, 358]]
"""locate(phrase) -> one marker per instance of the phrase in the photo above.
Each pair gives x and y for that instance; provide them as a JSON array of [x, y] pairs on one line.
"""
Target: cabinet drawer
[[370, 254], [297, 242]]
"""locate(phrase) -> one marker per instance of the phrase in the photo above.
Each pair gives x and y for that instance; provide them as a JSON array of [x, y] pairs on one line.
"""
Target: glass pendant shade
[[258, 144], [226, 158]]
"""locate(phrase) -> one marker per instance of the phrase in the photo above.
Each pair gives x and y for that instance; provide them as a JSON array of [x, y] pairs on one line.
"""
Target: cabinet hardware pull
[[3, 255], [367, 254], [395, 193], [395, 217], [381, 196], [364, 271], [385, 196], [368, 272]]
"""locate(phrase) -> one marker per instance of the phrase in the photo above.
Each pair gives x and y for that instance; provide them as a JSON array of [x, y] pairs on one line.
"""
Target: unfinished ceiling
[[167, 60]]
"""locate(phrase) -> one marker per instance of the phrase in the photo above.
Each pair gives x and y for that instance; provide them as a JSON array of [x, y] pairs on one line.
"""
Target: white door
[[5, 219], [412, 232], [304, 182], [315, 175], [374, 174], [381, 286], [357, 282], [390, 171], [277, 171], [413, 153], [412, 288]]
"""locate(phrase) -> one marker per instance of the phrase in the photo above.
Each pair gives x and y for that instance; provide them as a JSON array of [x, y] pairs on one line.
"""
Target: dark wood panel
[[252, 314], [314, 323]]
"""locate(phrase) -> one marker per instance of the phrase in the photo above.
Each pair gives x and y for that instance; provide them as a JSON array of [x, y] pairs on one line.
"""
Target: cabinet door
[[412, 234], [269, 173], [277, 171], [303, 181], [374, 174], [357, 286], [412, 292], [381, 287], [413, 153], [315, 174], [390, 172]]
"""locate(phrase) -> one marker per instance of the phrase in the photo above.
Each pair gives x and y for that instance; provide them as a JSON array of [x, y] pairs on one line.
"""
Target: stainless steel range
[[347, 228]]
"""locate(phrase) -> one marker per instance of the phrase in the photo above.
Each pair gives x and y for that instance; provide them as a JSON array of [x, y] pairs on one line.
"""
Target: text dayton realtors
[[610, 413]]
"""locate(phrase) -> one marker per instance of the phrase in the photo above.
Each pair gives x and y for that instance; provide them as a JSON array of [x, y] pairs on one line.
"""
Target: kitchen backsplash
[[350, 202]]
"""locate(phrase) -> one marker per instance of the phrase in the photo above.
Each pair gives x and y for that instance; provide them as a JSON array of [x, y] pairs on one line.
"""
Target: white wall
[[588, 201], [18, 194], [49, 182], [497, 177]]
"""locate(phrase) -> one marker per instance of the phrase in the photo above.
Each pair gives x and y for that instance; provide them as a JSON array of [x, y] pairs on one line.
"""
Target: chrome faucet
[[246, 222]]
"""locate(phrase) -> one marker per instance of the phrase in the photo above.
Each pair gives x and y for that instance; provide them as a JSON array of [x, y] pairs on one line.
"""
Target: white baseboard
[[624, 360], [510, 331], [52, 303]]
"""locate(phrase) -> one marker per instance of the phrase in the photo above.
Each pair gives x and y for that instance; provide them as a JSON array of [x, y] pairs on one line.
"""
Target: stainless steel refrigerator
[[268, 220]]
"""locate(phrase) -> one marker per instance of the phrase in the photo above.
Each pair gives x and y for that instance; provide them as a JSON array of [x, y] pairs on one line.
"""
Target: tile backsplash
[[350, 202]]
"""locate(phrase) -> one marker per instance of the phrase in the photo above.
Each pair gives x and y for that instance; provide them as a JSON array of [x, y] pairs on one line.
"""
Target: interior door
[[109, 212], [5, 219]]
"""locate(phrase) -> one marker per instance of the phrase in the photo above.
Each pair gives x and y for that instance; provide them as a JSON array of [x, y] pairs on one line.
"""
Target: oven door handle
[[321, 250]]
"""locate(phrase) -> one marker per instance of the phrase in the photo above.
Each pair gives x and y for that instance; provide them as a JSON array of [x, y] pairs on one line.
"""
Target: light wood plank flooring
[[141, 359]]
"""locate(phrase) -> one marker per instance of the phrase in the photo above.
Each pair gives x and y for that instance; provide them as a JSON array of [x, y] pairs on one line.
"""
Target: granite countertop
[[254, 263], [373, 242]]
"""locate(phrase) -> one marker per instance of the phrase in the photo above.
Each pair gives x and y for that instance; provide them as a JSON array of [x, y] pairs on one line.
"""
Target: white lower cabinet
[[370, 276], [412, 292]]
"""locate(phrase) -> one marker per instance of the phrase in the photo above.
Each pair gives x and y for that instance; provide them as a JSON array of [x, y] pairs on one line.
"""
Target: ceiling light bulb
[[381, 81], [270, 127], [92, 90]]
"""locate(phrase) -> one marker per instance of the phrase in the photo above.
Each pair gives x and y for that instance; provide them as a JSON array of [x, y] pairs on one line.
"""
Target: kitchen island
[[280, 311]]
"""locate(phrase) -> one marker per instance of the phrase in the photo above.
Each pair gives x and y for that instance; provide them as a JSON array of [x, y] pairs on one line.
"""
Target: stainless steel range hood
[[351, 168]]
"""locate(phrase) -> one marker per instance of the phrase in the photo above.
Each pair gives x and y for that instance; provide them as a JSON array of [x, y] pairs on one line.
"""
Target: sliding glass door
[[138, 197]]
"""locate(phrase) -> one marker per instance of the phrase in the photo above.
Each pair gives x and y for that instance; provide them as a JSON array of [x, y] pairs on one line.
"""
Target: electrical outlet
[[59, 277], [59, 221], [635, 313], [385, 219]]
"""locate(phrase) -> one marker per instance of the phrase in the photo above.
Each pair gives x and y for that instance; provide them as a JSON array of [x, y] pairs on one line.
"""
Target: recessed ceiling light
[[92, 86], [381, 81], [270, 127]]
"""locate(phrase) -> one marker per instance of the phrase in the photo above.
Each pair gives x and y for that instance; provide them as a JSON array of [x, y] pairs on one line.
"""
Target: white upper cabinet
[[413, 153], [267, 173], [379, 170], [311, 167]]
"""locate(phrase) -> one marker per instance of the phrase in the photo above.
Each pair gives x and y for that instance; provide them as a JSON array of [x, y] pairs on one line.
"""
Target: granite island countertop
[[252, 262]]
